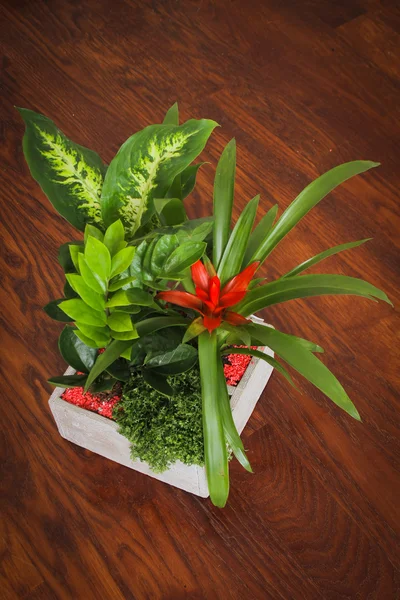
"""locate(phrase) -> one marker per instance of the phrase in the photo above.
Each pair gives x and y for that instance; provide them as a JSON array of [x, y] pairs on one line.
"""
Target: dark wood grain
[[302, 86]]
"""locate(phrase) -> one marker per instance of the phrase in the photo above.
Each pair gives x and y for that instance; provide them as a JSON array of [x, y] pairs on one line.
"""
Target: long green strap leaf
[[305, 286], [307, 199], [232, 257], [224, 184], [215, 452], [231, 433], [112, 352], [259, 234], [265, 357], [322, 255], [298, 354]]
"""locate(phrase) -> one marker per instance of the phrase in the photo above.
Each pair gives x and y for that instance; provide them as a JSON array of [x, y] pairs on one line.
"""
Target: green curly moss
[[163, 430]]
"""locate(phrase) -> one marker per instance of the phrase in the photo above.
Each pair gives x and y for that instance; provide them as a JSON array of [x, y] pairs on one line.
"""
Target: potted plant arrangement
[[154, 302]]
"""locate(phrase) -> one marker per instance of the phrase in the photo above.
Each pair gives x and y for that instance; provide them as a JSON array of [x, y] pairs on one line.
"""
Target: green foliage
[[235, 249], [298, 353], [306, 286], [163, 429], [111, 286], [75, 352], [163, 258], [215, 450], [259, 234], [224, 185], [310, 262], [70, 175], [146, 166], [180, 359], [307, 199]]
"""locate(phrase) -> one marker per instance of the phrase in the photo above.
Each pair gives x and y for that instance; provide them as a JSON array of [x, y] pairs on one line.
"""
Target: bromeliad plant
[[139, 247]]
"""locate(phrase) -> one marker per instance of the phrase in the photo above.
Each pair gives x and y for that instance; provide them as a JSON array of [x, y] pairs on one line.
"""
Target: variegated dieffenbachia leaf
[[145, 167], [70, 175]]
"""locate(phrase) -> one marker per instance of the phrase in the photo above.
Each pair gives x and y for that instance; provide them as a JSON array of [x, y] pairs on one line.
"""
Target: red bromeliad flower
[[210, 301]]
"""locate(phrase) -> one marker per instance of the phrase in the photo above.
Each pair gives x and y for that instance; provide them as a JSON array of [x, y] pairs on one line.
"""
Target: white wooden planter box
[[99, 434]]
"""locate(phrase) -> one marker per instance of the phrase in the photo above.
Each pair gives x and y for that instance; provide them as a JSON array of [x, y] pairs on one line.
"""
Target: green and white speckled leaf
[[70, 175], [145, 167]]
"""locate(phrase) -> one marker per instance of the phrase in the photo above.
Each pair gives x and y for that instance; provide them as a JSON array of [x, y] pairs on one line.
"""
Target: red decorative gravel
[[103, 404], [236, 366], [95, 403]]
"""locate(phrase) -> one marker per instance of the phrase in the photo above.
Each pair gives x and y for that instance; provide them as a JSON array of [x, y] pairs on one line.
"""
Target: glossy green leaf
[[259, 234], [145, 167], [146, 273], [188, 179], [119, 369], [53, 310], [155, 342], [262, 356], [69, 292], [153, 324], [183, 257], [170, 210], [122, 260], [178, 360], [92, 280], [132, 296], [65, 259], [78, 310], [232, 258], [112, 352], [319, 257], [307, 199], [87, 294], [172, 115], [158, 382], [224, 186], [75, 352], [114, 237], [215, 452], [98, 258], [68, 381], [298, 354], [94, 232], [100, 335], [124, 335], [120, 322], [88, 341], [120, 283], [75, 251], [175, 191], [127, 353], [195, 230], [70, 175], [130, 309], [305, 286], [164, 247], [231, 433], [103, 384]]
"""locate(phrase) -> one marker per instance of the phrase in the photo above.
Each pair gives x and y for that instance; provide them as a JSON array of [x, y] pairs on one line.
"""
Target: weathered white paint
[[100, 435]]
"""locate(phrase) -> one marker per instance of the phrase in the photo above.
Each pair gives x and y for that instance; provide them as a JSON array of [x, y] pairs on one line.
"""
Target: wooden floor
[[303, 85]]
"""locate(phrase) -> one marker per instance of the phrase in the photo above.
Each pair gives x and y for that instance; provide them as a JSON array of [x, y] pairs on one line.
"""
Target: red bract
[[210, 301]]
